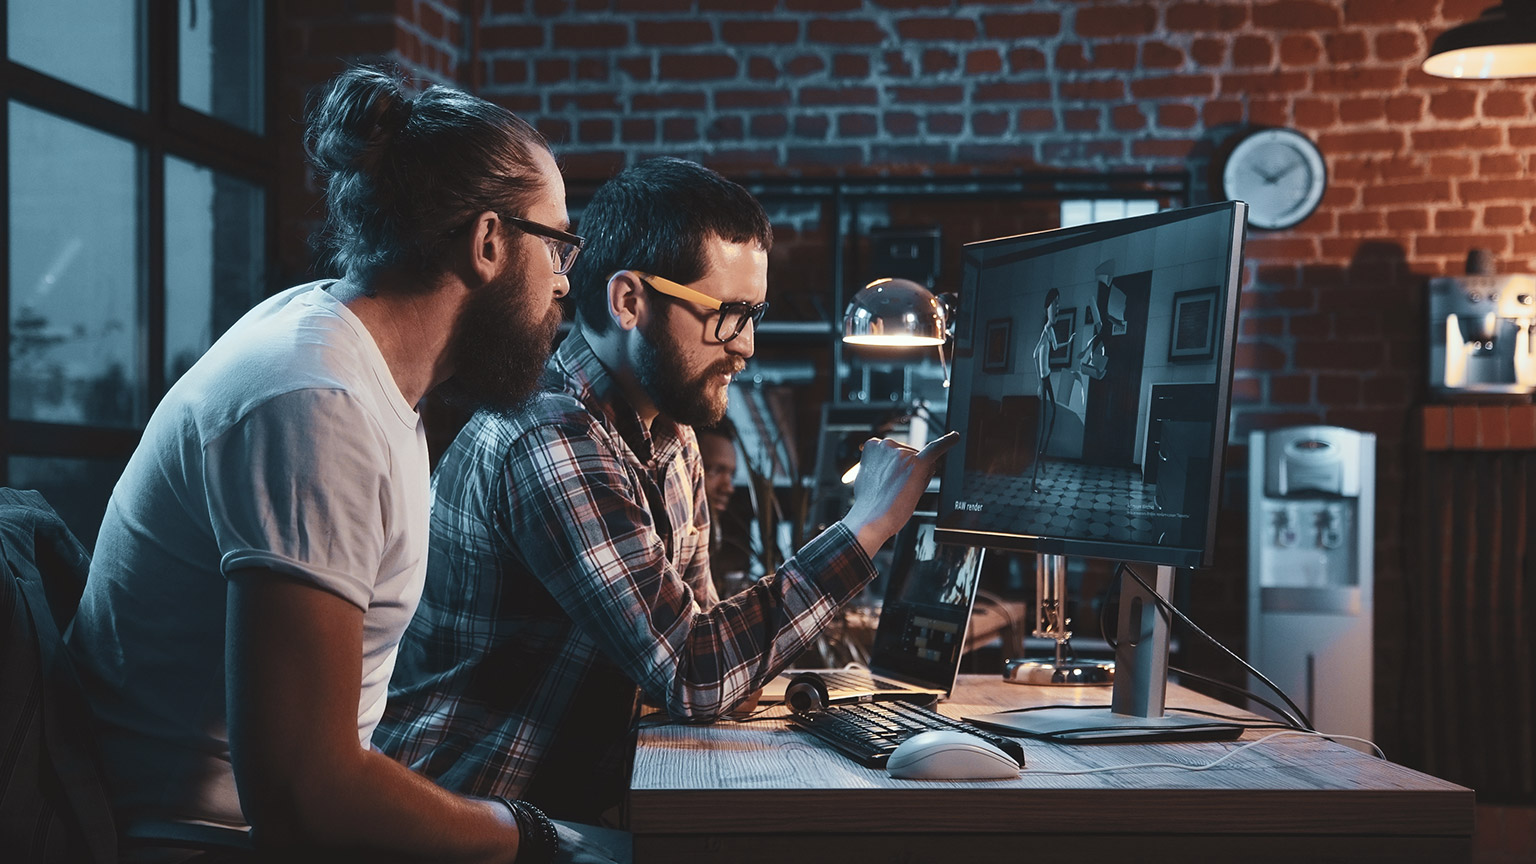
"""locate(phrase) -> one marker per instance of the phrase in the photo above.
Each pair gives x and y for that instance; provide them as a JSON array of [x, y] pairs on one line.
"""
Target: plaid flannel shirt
[[569, 564]]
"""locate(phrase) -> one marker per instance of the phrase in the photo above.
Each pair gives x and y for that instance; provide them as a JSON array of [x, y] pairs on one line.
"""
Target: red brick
[[1405, 108], [638, 130], [1522, 427], [546, 71], [812, 125], [1176, 116], [936, 61], [844, 32], [1292, 389], [1247, 390], [857, 125], [1397, 45], [1333, 354], [1161, 55], [900, 123], [1011, 92], [1361, 111], [607, 101], [838, 96], [728, 99], [495, 37], [1208, 52], [1098, 22], [896, 65], [1338, 389], [589, 36], [1093, 91], [598, 130], [1267, 247], [985, 61], [768, 126], [1506, 103], [1357, 80], [1360, 142], [1259, 355], [1079, 150], [1315, 113], [804, 65], [636, 68], [554, 129], [949, 94], [1206, 18], [1296, 15], [1080, 119], [1300, 49], [1453, 165], [1173, 86], [1173, 151], [1249, 51], [989, 124], [1265, 83], [1349, 46], [1407, 193], [1025, 60], [629, 6], [508, 72], [759, 32], [679, 129], [1453, 104], [1499, 164], [1457, 244], [1312, 326], [944, 123], [1027, 25], [1504, 217], [698, 67], [1522, 136], [936, 29], [1361, 222], [671, 100], [850, 66], [1272, 325], [1036, 119], [1496, 190], [1407, 220], [1218, 112], [1390, 11]]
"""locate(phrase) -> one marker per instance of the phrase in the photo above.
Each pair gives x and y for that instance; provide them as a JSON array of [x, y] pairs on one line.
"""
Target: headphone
[[806, 694]]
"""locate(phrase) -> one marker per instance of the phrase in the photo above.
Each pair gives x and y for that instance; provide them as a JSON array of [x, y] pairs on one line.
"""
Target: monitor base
[[1050, 672], [1100, 725]]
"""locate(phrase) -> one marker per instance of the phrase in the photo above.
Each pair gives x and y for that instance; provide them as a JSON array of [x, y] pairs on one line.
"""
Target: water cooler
[[1311, 529]]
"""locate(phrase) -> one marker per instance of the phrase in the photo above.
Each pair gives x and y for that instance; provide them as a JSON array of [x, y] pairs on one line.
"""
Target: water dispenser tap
[[1329, 535], [1285, 535]]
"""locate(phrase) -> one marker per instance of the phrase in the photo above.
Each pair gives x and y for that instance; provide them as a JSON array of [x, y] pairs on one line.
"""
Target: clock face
[[1281, 175]]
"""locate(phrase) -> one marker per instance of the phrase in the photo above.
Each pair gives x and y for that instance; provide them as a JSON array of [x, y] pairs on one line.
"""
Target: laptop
[[929, 592]]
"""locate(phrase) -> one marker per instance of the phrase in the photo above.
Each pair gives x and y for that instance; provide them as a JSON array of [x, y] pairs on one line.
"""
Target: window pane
[[77, 489], [215, 266], [94, 44], [221, 59], [76, 273]]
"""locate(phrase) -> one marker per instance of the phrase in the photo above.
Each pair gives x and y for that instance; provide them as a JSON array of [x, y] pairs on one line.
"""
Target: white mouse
[[942, 754]]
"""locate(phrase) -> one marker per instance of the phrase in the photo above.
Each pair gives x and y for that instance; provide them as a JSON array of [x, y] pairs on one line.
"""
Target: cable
[[1140, 766], [1300, 716]]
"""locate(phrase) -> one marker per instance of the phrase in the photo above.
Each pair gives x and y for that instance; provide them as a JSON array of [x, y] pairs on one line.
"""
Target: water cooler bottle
[[1310, 541]]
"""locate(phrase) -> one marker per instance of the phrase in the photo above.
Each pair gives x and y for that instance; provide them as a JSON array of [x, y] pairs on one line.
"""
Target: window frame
[[163, 127]]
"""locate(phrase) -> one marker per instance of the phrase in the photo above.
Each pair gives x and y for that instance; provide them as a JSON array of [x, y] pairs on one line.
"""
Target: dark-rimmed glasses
[[732, 317], [563, 245]]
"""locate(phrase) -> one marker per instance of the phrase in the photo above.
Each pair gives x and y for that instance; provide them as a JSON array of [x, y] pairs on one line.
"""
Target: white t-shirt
[[288, 447]]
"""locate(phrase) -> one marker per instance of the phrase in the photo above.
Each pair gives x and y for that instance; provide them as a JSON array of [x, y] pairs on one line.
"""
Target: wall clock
[[1279, 172]]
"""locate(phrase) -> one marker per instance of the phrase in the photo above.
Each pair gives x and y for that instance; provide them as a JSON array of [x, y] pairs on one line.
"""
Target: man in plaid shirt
[[569, 564]]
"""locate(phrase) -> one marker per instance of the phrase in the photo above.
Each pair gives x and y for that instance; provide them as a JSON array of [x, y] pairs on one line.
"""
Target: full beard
[[693, 400], [500, 348]]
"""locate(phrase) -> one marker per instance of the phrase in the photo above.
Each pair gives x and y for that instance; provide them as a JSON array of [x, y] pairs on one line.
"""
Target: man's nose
[[744, 343], [562, 285]]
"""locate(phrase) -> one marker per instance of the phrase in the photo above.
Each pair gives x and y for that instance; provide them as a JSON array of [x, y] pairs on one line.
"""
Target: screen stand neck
[[1137, 708]]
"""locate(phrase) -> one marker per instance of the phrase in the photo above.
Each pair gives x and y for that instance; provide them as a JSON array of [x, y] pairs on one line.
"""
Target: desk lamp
[[1500, 43], [897, 313]]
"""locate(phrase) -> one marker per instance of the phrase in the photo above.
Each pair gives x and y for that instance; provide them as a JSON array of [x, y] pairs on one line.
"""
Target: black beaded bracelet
[[537, 842]]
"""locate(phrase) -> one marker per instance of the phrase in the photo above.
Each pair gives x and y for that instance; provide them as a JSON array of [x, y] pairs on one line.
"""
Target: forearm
[[371, 804]]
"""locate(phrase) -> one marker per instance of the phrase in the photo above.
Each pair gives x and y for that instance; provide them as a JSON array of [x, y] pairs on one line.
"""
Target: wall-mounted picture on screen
[[1193, 336], [999, 346]]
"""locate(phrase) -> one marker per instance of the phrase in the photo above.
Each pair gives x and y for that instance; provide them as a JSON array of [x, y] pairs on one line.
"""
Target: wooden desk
[[761, 792]]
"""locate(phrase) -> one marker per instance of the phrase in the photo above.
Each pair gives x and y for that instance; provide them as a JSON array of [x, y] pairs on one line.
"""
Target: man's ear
[[627, 304], [486, 250]]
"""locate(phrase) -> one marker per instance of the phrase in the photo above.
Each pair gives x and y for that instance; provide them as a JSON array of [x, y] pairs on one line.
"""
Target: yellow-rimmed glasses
[[733, 316]]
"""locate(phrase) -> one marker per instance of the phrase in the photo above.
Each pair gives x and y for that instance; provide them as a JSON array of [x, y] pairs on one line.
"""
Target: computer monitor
[[1091, 386]]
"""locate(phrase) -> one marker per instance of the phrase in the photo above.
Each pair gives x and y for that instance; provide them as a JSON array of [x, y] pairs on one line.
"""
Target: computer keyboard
[[867, 732]]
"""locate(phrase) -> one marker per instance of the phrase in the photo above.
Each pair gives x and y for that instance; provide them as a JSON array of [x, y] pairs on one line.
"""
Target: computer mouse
[[943, 754]]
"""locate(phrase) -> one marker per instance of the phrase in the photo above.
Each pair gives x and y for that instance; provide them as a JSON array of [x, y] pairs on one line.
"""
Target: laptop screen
[[927, 607]]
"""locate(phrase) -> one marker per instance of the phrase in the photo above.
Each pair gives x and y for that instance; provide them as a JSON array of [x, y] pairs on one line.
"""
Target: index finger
[[939, 446]]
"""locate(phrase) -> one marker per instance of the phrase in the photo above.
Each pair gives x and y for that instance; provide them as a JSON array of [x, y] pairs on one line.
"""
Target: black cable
[[1292, 720], [1162, 602]]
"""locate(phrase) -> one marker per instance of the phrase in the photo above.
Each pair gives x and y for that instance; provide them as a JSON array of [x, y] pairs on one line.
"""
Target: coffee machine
[[1480, 328]]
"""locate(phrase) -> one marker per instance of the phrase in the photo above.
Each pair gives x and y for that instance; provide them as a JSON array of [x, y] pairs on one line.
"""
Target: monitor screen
[[1092, 376]]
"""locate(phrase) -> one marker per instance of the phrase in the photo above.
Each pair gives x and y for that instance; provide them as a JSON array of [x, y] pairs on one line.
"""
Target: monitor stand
[[1136, 711]]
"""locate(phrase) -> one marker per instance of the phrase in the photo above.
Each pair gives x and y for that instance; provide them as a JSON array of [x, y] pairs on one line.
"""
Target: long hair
[[405, 173]]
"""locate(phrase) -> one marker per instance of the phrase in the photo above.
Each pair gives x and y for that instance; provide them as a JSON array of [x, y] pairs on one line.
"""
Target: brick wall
[[1420, 169]]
